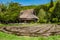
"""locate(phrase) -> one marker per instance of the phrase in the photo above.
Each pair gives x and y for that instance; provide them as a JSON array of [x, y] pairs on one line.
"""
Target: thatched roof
[[28, 14]]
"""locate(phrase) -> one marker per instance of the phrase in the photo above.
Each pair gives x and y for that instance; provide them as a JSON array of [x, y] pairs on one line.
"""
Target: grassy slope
[[4, 36]]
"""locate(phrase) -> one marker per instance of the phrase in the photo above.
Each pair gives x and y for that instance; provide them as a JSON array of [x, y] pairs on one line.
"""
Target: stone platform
[[42, 30]]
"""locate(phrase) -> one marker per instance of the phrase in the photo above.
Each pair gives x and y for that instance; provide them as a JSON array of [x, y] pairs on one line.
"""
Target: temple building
[[27, 16]]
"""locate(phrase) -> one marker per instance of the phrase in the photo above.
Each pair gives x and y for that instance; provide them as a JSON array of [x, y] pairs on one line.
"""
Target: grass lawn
[[25, 24], [19, 24], [4, 36]]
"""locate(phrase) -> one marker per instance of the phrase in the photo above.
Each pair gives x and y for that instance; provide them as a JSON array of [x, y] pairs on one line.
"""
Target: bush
[[55, 20]]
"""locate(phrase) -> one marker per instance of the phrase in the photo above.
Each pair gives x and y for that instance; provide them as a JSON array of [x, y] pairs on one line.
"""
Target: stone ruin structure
[[41, 30]]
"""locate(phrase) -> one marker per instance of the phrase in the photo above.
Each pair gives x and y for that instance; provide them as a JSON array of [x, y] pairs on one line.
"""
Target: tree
[[37, 9], [48, 13], [13, 11], [56, 12], [3, 10], [42, 16], [10, 13]]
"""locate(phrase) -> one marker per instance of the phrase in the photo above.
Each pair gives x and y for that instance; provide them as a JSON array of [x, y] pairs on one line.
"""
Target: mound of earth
[[42, 30]]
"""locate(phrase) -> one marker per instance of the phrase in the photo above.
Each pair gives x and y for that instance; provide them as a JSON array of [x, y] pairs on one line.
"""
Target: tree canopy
[[47, 14]]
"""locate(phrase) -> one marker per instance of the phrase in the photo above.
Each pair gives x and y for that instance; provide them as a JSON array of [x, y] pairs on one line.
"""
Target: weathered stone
[[42, 30]]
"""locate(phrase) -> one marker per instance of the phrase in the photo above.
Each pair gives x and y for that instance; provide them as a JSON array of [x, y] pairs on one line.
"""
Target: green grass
[[17, 24], [25, 24], [4, 36]]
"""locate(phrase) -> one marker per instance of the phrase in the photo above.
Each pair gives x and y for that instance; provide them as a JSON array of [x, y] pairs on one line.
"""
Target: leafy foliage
[[56, 12], [46, 14], [42, 16], [10, 12]]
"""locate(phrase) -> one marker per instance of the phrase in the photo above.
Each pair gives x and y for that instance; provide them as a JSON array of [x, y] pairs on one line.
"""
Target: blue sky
[[27, 2]]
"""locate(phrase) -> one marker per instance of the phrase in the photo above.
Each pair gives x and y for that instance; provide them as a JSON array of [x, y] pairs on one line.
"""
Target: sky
[[27, 2]]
